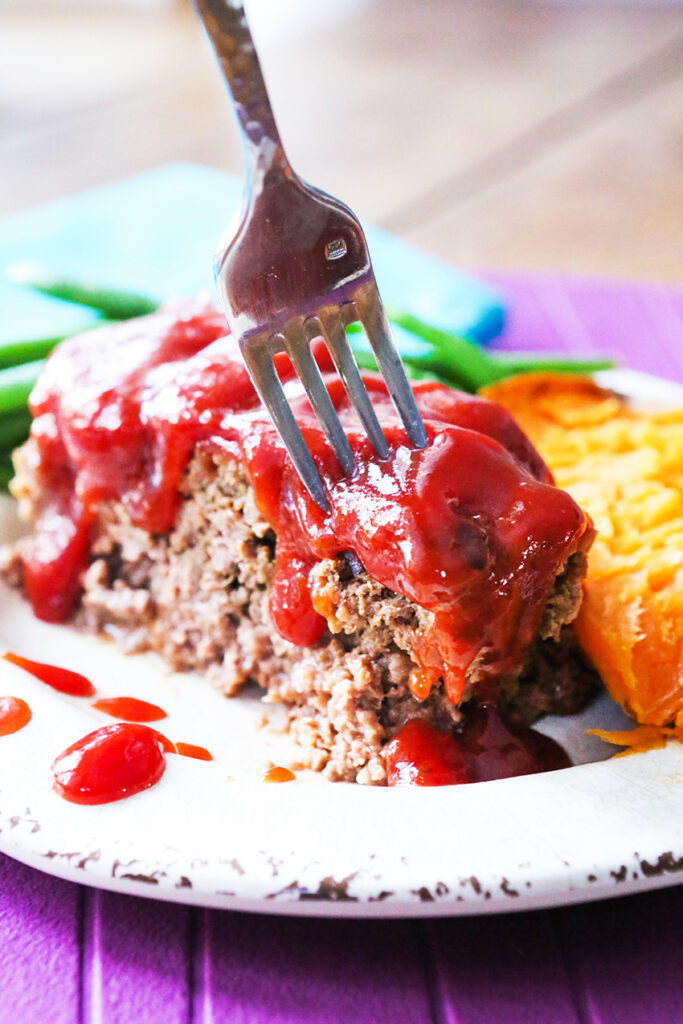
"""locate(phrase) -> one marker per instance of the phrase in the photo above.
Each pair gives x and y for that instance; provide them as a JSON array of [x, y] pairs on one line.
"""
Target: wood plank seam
[[426, 943], [639, 80], [193, 926], [81, 912], [575, 987]]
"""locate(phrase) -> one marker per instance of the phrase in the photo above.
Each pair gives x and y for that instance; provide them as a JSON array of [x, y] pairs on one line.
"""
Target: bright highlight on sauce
[[61, 679], [110, 764], [14, 715], [130, 709]]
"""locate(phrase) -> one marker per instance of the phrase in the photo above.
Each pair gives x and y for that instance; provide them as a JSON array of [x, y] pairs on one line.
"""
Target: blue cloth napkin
[[156, 233]]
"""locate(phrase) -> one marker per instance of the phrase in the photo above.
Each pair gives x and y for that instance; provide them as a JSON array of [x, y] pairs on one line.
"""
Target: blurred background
[[493, 133]]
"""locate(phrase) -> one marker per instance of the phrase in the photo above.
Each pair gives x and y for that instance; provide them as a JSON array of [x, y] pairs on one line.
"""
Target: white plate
[[215, 834]]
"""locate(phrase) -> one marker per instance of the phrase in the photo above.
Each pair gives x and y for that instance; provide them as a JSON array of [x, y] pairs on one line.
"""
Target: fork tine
[[267, 383], [333, 332], [298, 350], [376, 326]]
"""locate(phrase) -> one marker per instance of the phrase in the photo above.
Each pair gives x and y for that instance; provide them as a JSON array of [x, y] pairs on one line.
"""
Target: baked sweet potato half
[[625, 468]]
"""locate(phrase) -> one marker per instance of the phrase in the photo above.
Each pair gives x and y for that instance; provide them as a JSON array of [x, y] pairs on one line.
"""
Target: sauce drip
[[279, 774], [190, 750], [469, 528], [14, 715], [486, 748], [61, 679], [109, 764], [130, 709], [166, 745]]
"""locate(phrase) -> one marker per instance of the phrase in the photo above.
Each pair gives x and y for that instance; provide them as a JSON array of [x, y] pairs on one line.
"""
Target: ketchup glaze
[[279, 774], [64, 680], [192, 750], [470, 528], [485, 748], [110, 763], [130, 709], [14, 715]]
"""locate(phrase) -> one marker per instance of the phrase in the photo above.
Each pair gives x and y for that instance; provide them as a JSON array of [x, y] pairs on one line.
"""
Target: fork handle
[[228, 29]]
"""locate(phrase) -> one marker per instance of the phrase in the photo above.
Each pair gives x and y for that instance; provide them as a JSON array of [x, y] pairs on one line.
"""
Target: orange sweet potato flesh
[[625, 468]]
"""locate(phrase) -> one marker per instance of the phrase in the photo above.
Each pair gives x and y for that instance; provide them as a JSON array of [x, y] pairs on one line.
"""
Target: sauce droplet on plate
[[190, 750], [278, 774], [130, 709], [109, 764], [484, 749], [61, 679], [14, 715], [420, 755]]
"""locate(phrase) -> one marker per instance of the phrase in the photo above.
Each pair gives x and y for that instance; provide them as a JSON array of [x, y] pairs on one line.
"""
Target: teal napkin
[[156, 233]]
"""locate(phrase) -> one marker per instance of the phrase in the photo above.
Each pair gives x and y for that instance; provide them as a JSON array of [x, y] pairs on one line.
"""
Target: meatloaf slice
[[168, 515], [198, 595]]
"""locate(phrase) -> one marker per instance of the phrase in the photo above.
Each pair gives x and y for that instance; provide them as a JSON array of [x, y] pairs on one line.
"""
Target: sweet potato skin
[[625, 468]]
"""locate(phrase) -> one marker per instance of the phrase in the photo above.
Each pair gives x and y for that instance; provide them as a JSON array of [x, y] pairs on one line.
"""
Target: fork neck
[[227, 27]]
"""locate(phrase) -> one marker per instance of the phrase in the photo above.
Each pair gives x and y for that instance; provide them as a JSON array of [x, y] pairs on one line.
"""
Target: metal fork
[[295, 266]]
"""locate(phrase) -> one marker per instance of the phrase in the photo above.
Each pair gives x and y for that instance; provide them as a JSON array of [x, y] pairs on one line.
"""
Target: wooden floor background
[[495, 133]]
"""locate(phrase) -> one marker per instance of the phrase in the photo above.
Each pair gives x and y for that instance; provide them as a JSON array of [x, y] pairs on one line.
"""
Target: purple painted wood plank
[[507, 968], [136, 960], [625, 958], [666, 321], [40, 949], [640, 325], [530, 324], [277, 970]]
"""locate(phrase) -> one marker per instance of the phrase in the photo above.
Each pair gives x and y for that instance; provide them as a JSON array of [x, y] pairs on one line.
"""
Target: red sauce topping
[[62, 679], [190, 750], [14, 715], [470, 528], [110, 764], [486, 748], [278, 774], [166, 744], [130, 709]]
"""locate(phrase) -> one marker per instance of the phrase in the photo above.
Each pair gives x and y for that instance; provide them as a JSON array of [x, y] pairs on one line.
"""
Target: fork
[[294, 266]]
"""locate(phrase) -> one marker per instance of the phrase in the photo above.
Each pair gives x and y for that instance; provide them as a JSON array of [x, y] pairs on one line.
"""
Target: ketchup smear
[[279, 774], [486, 748], [61, 679], [111, 763], [470, 528], [14, 715], [130, 709], [191, 750]]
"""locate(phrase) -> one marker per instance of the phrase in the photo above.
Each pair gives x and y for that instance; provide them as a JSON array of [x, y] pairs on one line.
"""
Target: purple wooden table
[[72, 955]]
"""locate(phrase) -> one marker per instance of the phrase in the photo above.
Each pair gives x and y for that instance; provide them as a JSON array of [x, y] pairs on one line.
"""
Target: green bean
[[457, 360], [365, 359], [113, 303], [16, 384], [6, 474], [12, 353], [27, 350], [460, 361], [14, 428], [508, 363]]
